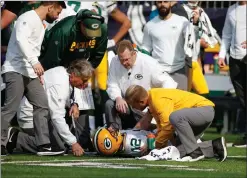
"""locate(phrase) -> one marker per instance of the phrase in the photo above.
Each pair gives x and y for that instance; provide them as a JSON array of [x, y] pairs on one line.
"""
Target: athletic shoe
[[241, 143], [219, 147], [196, 155], [12, 139], [45, 150]]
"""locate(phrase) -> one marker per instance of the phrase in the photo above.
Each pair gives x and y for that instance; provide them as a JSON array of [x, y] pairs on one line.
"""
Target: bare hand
[[41, 78], [244, 44], [77, 150], [144, 150], [196, 16], [221, 62], [121, 105], [74, 110], [38, 69], [203, 43]]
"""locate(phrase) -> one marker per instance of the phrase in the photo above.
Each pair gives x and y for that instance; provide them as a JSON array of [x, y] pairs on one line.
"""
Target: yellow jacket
[[162, 102]]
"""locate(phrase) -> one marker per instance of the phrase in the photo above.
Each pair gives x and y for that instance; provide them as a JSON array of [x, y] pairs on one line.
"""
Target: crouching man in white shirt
[[127, 68], [58, 84]]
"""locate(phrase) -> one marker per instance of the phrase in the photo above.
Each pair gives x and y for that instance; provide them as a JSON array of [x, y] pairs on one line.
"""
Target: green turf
[[212, 134], [232, 167]]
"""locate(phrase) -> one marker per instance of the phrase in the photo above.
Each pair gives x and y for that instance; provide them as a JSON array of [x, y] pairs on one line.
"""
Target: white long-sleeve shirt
[[234, 32], [165, 40], [24, 45], [58, 90], [146, 72]]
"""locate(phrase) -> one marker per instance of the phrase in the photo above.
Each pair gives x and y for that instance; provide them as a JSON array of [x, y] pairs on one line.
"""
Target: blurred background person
[[234, 38]]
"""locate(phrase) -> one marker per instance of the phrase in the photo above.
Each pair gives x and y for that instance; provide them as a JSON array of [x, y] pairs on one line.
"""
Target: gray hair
[[81, 68]]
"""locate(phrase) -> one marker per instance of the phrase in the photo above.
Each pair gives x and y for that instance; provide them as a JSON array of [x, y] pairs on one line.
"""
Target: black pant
[[238, 77]]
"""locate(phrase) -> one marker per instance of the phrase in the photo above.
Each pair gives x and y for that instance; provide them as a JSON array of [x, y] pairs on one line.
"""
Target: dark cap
[[92, 23]]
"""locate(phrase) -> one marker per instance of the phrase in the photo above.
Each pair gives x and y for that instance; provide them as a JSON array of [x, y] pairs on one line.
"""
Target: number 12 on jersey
[[135, 144]]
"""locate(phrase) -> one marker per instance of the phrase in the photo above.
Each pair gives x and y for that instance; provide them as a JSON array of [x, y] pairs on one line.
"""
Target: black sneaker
[[3, 151], [45, 150], [196, 155], [12, 139], [219, 146]]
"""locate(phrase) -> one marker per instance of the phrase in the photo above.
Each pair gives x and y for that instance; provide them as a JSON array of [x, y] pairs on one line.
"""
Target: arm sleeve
[[160, 79], [23, 33], [96, 58], [166, 130], [113, 89], [53, 49], [147, 40], [165, 108], [226, 37], [161, 140], [57, 111]]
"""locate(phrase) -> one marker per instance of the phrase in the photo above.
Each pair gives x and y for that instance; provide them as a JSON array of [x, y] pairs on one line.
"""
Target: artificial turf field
[[30, 166]]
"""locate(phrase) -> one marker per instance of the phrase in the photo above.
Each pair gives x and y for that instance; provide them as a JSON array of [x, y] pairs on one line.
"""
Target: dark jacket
[[64, 43]]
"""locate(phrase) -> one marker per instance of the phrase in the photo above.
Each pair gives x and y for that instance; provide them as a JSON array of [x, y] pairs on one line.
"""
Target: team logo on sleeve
[[138, 76], [107, 143]]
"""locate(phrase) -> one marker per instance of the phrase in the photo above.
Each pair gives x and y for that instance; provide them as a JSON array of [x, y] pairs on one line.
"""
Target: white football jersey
[[133, 141]]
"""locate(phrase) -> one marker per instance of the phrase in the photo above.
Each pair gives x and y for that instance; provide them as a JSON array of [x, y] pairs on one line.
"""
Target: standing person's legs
[[190, 123], [36, 95], [238, 76], [14, 92], [101, 73], [181, 78]]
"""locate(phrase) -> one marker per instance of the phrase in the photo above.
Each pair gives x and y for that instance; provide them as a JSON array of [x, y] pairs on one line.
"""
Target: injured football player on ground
[[111, 141]]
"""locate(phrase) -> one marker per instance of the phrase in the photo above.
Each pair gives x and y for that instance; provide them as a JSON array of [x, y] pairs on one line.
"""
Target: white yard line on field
[[193, 169], [58, 160], [237, 156], [3, 161]]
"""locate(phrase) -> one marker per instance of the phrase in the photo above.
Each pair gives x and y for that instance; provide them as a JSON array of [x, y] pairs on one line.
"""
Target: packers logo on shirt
[[82, 45], [138, 76]]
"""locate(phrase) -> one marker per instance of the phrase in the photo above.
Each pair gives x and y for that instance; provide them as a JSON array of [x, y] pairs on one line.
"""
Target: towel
[[168, 153]]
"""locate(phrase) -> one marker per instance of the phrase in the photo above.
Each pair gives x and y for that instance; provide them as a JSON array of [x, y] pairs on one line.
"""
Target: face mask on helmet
[[193, 4], [107, 142]]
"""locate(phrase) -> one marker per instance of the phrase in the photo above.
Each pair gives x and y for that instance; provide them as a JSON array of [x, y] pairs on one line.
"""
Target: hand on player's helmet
[[121, 105], [77, 150], [38, 69]]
